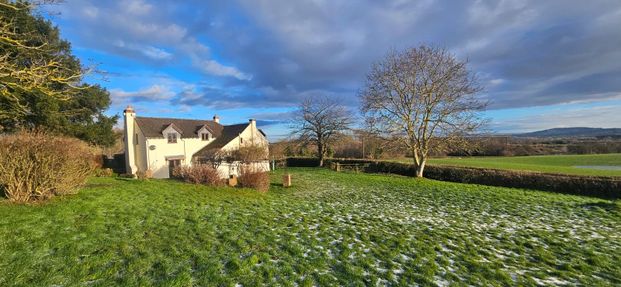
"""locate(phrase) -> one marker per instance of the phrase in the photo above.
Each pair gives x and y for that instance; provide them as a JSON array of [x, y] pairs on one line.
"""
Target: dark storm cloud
[[273, 53]]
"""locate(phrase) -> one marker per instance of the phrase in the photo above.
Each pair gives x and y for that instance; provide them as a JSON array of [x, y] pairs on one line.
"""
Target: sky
[[544, 64]]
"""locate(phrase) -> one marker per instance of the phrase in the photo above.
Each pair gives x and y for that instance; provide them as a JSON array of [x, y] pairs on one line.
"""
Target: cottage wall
[[140, 153], [249, 136], [185, 148]]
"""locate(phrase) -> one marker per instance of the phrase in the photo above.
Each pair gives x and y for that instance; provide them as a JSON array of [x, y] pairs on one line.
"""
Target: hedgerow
[[36, 165], [604, 187]]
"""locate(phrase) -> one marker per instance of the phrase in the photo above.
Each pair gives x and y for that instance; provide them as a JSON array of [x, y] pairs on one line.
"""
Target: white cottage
[[160, 144]]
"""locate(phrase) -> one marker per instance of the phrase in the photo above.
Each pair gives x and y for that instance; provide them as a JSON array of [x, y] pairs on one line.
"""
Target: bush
[[104, 172], [198, 174], [252, 177], [143, 175], [38, 166], [251, 153], [303, 162]]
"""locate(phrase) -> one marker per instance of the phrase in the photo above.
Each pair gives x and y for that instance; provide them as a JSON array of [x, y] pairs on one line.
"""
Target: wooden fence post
[[286, 180]]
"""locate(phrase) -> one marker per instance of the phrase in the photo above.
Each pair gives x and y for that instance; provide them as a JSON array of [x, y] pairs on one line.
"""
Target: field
[[329, 229], [566, 164]]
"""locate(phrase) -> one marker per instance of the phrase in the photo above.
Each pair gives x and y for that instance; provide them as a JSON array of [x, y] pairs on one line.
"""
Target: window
[[205, 136], [172, 138]]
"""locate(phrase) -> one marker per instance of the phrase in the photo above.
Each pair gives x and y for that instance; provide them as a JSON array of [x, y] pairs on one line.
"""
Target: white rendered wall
[[250, 136], [184, 147], [130, 158], [140, 149]]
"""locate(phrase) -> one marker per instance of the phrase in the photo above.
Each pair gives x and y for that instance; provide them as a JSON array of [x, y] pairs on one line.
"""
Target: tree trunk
[[420, 168], [320, 153]]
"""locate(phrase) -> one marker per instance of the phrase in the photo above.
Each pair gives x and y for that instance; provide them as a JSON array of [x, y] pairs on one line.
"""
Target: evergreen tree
[[41, 81]]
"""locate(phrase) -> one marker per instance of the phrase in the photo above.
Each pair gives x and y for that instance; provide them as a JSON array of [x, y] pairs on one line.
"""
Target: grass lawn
[[547, 163], [329, 229]]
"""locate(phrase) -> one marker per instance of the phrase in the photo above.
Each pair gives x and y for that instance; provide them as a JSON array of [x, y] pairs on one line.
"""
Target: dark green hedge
[[603, 187], [302, 162], [116, 163]]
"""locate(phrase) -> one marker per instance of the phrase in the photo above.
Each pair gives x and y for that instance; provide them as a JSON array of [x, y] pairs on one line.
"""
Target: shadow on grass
[[95, 185], [610, 206], [126, 179]]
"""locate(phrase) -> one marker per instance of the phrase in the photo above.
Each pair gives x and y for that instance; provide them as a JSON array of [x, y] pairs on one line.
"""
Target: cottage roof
[[228, 134], [153, 127]]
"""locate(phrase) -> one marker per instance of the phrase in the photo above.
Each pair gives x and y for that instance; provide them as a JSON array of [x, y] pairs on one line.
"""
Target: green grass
[[329, 229], [565, 164]]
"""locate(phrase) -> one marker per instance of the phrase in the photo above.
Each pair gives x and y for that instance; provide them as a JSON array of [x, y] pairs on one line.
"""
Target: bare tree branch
[[318, 120], [425, 97]]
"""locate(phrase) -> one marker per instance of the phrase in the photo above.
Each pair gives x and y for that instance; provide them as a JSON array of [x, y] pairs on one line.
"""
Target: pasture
[[593, 165], [329, 229]]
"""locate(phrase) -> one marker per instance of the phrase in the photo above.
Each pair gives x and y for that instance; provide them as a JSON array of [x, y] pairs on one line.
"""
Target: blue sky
[[544, 64]]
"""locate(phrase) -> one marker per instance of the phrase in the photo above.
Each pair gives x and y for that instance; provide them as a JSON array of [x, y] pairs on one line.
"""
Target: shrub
[[104, 172], [38, 165], [251, 153], [198, 174], [252, 177], [303, 162], [143, 175]]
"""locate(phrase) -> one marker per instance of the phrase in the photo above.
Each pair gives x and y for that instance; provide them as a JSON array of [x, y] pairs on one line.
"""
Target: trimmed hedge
[[304, 162], [603, 187]]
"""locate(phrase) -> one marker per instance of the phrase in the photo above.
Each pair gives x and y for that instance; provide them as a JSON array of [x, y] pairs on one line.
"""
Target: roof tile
[[153, 127]]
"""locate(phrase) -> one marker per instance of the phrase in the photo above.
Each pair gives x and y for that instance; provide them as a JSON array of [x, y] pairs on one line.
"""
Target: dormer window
[[172, 137], [204, 133]]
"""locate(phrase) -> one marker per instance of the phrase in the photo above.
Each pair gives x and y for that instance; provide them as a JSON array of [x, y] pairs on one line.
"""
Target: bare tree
[[318, 120], [423, 97], [213, 157]]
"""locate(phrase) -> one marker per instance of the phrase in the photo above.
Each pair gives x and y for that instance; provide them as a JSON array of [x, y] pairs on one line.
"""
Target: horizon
[[544, 65]]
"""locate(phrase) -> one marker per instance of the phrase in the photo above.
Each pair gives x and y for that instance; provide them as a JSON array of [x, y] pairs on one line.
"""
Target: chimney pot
[[129, 109]]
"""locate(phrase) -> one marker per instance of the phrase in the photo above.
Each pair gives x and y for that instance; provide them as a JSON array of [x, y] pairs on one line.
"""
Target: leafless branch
[[421, 95]]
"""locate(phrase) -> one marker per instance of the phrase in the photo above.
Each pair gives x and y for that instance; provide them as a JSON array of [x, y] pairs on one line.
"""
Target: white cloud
[[532, 53], [156, 53], [143, 30], [214, 68], [149, 51], [136, 7], [149, 94]]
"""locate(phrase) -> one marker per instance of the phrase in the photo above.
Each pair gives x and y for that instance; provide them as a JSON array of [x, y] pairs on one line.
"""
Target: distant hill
[[573, 132]]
